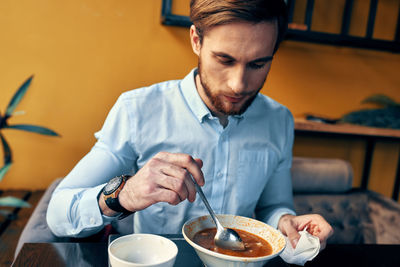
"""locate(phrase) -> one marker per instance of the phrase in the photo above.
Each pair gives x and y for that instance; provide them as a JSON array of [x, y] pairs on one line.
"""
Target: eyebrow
[[264, 59], [261, 59]]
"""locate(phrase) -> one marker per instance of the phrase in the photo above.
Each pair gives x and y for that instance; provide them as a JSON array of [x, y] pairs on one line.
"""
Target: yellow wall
[[84, 54]]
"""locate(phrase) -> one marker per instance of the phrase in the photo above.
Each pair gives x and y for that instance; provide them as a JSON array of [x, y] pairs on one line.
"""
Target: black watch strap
[[113, 203]]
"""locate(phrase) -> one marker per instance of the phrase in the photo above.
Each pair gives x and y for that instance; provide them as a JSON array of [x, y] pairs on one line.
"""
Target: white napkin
[[307, 249]]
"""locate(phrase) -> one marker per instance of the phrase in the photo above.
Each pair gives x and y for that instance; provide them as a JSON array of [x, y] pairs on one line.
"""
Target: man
[[212, 126]]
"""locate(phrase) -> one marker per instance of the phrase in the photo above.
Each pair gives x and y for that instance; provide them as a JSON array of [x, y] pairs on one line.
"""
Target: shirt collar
[[192, 97]]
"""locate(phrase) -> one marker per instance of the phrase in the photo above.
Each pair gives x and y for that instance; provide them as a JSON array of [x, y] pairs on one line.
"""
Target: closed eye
[[253, 65], [260, 63], [225, 60]]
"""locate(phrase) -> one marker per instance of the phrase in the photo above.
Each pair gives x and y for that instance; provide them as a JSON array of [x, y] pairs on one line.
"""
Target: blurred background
[[84, 54]]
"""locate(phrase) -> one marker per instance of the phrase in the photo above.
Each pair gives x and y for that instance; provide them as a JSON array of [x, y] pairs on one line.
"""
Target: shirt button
[[219, 174], [92, 220]]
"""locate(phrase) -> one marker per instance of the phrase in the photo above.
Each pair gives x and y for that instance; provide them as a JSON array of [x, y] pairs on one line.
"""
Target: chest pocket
[[252, 176]]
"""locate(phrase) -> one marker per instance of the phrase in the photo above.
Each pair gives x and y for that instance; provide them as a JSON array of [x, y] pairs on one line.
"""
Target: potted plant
[[387, 115], [9, 201]]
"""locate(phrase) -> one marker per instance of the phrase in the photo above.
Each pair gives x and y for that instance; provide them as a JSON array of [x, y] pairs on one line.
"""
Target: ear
[[195, 40]]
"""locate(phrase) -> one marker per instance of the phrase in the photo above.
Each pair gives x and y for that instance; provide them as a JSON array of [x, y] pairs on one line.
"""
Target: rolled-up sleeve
[[73, 210]]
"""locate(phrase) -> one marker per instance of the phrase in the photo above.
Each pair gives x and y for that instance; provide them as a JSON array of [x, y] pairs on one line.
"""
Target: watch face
[[112, 185]]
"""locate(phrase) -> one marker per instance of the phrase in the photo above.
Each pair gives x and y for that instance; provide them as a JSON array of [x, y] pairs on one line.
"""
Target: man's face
[[234, 61]]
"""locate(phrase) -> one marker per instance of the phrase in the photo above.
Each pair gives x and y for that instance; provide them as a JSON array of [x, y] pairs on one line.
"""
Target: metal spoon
[[224, 238]]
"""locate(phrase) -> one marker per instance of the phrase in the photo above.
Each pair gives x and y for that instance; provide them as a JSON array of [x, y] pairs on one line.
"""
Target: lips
[[234, 99]]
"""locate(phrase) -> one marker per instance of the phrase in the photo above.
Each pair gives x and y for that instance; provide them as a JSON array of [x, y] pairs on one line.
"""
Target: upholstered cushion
[[385, 215], [318, 175], [347, 213]]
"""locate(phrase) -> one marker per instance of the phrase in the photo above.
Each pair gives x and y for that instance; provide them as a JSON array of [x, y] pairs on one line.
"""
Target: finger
[[319, 227], [325, 232], [288, 226], [322, 228], [293, 236], [304, 224], [169, 196], [174, 178], [191, 189], [184, 161], [185, 181], [313, 229], [199, 163]]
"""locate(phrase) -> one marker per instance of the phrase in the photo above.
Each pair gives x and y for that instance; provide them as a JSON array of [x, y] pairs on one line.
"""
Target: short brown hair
[[206, 14]]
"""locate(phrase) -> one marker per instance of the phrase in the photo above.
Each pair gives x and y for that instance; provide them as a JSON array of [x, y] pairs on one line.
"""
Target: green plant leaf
[[6, 149], [4, 170], [33, 128], [13, 202], [381, 100], [3, 121], [18, 97], [7, 157]]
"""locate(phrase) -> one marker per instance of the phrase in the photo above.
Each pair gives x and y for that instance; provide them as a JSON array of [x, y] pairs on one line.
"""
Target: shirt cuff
[[277, 214], [89, 210], [91, 216], [94, 193]]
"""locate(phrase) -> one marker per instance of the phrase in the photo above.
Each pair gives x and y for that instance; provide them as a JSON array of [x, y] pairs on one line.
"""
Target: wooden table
[[95, 254], [370, 135]]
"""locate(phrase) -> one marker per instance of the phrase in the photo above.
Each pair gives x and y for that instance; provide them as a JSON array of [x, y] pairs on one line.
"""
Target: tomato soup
[[255, 246]]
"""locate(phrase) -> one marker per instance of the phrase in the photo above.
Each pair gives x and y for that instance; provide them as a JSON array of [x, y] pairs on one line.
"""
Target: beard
[[217, 103]]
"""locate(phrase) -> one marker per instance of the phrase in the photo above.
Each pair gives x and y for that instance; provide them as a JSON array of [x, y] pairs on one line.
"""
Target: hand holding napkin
[[307, 249]]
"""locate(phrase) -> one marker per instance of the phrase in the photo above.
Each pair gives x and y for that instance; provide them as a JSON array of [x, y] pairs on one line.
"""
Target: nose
[[237, 80]]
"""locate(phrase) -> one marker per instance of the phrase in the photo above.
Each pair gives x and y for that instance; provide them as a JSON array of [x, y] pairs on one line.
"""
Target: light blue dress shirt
[[246, 164]]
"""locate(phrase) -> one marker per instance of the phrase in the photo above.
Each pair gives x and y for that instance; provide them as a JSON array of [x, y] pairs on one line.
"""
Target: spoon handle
[[203, 197]]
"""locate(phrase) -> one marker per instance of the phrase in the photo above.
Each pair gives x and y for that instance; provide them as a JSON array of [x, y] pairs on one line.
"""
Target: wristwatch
[[111, 191]]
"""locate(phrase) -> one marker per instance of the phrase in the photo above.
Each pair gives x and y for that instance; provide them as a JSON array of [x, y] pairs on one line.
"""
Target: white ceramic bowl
[[143, 250], [214, 259]]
